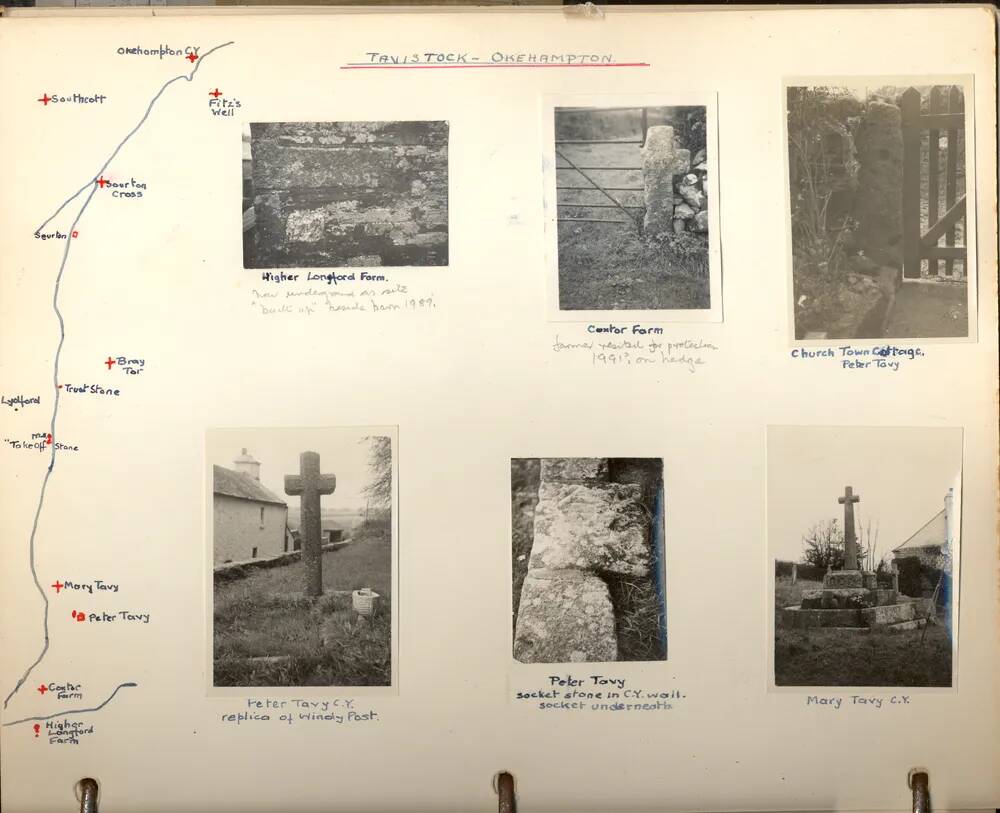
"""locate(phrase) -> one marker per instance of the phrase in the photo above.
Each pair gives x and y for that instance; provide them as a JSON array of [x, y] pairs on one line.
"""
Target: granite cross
[[309, 484], [850, 535]]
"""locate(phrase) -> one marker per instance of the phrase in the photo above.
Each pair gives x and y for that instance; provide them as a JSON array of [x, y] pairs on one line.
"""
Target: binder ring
[[919, 783], [87, 789], [503, 783]]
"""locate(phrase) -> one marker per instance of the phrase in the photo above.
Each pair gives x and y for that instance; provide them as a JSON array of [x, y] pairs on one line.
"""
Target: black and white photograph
[[589, 577], [863, 536], [345, 194], [635, 199], [880, 173], [303, 556]]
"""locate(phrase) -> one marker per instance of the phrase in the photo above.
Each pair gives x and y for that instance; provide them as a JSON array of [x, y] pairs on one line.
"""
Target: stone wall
[[588, 530], [336, 194]]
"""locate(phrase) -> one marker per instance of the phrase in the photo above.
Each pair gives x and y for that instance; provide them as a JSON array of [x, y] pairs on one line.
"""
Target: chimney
[[949, 516], [245, 464]]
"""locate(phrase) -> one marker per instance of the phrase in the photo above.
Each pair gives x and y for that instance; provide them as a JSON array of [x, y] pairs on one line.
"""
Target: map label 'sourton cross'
[[850, 536], [310, 485]]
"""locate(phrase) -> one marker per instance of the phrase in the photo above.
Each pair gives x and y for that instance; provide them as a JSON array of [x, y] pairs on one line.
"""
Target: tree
[[378, 491], [823, 545]]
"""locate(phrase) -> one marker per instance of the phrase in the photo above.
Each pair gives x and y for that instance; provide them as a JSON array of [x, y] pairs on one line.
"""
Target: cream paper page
[[441, 366]]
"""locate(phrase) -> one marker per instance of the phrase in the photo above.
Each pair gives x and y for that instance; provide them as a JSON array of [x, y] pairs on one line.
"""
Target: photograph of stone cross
[[877, 189], [634, 198], [310, 485], [304, 574], [588, 574], [850, 534], [862, 590]]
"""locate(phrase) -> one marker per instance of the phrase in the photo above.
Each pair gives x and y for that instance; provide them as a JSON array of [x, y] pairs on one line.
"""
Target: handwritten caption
[[598, 693], [312, 294], [64, 731], [340, 711], [606, 346], [865, 701], [881, 357]]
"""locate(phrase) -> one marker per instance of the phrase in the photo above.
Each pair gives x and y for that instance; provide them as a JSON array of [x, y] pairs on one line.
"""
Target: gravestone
[[310, 485], [850, 534]]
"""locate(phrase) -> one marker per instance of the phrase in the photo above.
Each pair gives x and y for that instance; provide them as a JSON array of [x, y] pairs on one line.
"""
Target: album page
[[390, 398]]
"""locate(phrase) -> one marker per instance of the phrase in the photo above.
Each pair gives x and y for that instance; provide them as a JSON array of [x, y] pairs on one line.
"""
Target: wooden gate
[[600, 182], [945, 117]]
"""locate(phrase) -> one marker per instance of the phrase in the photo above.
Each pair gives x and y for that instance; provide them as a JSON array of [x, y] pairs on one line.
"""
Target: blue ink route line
[[98, 707], [91, 184]]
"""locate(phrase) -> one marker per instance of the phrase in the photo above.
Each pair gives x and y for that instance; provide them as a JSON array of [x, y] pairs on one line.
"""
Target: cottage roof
[[931, 534], [233, 484]]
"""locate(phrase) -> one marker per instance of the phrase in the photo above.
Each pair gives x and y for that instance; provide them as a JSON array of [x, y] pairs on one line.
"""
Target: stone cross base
[[584, 526]]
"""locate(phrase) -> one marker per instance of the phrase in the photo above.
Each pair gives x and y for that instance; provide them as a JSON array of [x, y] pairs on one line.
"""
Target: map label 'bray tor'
[[309, 484], [850, 535]]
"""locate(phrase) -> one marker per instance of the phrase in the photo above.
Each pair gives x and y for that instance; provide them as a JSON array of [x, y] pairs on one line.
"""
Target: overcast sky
[[901, 475], [342, 451]]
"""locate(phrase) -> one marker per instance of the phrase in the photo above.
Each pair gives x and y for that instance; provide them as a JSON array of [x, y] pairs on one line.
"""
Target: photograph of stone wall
[[633, 207], [877, 182], [342, 194], [588, 567]]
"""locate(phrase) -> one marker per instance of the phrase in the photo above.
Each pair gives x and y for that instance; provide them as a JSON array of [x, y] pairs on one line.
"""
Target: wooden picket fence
[[945, 116]]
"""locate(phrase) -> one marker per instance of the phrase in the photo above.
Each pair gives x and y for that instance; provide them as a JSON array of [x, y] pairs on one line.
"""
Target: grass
[[638, 620], [836, 657], [608, 267], [313, 643]]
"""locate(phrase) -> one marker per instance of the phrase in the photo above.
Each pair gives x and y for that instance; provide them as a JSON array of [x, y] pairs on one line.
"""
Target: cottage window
[[253, 553], [262, 516]]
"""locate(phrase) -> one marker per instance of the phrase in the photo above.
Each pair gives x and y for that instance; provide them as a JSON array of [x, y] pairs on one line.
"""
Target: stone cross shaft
[[850, 536], [310, 485]]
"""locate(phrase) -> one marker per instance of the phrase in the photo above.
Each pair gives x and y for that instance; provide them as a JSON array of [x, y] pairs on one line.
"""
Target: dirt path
[[932, 310]]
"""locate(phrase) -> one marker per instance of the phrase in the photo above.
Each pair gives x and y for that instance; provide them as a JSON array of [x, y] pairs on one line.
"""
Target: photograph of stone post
[[880, 237], [863, 527], [633, 204], [302, 538], [588, 560], [344, 194]]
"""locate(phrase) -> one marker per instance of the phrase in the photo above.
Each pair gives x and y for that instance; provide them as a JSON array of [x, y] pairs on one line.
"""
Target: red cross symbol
[[216, 93], [43, 689], [45, 99], [110, 362], [192, 57], [102, 183], [58, 585]]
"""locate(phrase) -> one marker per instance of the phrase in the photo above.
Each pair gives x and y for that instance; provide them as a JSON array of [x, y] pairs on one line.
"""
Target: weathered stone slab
[[574, 468], [878, 206], [897, 613], [600, 527], [564, 617], [662, 160], [802, 618], [844, 598], [843, 578]]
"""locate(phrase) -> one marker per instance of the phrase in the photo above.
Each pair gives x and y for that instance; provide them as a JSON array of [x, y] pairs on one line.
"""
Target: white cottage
[[929, 540], [250, 520]]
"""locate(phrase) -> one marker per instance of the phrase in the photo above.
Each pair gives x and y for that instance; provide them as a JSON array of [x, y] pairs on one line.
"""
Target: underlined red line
[[500, 65]]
